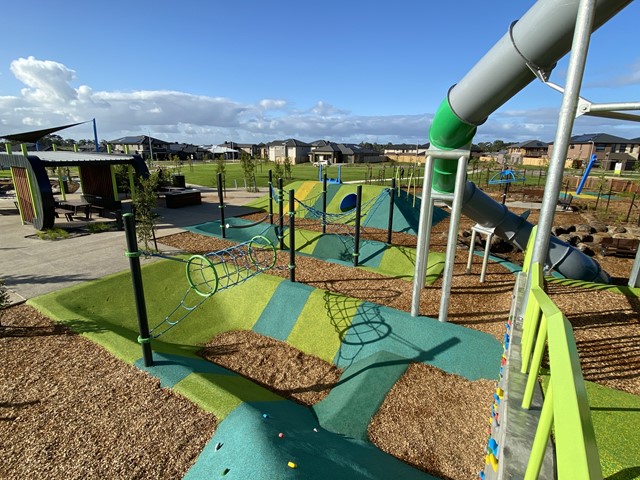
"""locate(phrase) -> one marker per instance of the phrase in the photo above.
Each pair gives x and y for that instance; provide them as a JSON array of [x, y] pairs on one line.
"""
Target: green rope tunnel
[[217, 271]]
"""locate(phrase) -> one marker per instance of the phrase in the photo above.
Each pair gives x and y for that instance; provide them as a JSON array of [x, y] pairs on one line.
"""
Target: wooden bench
[[183, 198], [619, 246], [63, 211]]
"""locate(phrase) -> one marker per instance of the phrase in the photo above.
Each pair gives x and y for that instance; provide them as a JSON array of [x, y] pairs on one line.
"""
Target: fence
[[565, 407]]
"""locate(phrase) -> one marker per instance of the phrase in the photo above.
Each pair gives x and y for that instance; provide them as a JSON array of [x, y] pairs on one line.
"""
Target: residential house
[[295, 150], [332, 153], [142, 145], [608, 149], [530, 148], [251, 149]]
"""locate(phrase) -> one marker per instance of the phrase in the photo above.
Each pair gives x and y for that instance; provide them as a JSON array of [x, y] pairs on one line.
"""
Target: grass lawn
[[206, 174]]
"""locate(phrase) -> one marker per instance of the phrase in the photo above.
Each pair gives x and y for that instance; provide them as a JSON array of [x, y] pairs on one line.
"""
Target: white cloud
[[49, 98]]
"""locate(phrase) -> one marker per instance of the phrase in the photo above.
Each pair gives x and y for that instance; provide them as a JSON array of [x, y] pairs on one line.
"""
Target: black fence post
[[324, 204], [606, 208], [138, 291], [271, 197], [391, 208], [630, 207], [281, 213], [223, 230], [356, 248], [292, 236]]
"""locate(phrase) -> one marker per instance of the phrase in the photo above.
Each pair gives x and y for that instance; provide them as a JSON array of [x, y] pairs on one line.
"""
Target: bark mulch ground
[[69, 409]]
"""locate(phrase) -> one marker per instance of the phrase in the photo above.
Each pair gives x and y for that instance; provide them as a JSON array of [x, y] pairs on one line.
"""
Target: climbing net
[[217, 271]]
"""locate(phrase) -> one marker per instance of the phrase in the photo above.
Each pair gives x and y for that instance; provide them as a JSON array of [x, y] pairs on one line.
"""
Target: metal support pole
[[356, 248], [452, 241], [392, 197], [270, 197], [424, 234], [138, 290], [281, 213], [223, 230], [292, 236], [324, 204], [580, 46]]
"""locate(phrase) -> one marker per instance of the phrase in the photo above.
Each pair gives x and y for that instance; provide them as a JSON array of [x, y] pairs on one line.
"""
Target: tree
[[248, 169], [144, 202], [287, 168], [278, 170]]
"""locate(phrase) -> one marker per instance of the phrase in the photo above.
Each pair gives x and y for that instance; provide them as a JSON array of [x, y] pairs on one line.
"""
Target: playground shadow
[[70, 327]]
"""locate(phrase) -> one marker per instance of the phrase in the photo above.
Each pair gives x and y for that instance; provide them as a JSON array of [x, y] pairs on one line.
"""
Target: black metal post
[[630, 207], [356, 247], [392, 197], [606, 209], [324, 204], [598, 197], [271, 197], [223, 230], [281, 213], [138, 290], [292, 236]]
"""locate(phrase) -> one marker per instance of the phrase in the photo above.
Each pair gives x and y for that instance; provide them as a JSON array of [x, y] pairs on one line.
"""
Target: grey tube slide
[[541, 37]]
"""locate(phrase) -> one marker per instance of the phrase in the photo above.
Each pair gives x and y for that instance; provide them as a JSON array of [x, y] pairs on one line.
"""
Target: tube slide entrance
[[525, 52]]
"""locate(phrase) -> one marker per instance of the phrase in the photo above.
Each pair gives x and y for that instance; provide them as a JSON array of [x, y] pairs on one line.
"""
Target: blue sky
[[253, 71]]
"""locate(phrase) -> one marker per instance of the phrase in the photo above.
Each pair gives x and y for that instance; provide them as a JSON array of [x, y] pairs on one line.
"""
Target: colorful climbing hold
[[292, 465], [224, 472], [265, 415], [218, 446], [281, 435]]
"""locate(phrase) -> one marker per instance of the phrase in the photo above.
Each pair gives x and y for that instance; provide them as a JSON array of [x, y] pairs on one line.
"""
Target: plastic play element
[[587, 170], [506, 176], [292, 465], [348, 202], [481, 92], [330, 180]]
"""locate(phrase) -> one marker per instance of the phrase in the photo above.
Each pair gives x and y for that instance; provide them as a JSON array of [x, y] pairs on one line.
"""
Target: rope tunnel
[[217, 271]]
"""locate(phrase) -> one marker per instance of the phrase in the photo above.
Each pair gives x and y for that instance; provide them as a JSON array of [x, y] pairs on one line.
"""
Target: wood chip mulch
[[69, 409], [435, 421], [276, 365]]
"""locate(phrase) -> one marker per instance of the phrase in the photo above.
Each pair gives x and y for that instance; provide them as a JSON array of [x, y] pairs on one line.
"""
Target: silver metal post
[[424, 233], [471, 247], [452, 241], [580, 46]]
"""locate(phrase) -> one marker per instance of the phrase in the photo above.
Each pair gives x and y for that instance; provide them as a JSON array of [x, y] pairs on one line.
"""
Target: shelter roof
[[63, 158]]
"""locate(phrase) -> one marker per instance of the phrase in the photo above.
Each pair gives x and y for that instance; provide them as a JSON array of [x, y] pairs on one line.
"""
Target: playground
[[333, 360]]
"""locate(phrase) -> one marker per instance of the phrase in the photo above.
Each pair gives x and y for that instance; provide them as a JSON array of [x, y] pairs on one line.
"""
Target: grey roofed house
[[530, 144], [596, 138], [344, 153]]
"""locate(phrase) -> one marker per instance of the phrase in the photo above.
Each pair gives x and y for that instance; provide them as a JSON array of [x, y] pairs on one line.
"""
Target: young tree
[[144, 202], [287, 168], [278, 171], [248, 169]]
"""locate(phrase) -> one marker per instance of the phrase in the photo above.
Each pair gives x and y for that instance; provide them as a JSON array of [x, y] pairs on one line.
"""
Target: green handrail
[[566, 406]]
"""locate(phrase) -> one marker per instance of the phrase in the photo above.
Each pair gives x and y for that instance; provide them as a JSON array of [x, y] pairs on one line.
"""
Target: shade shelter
[[97, 177]]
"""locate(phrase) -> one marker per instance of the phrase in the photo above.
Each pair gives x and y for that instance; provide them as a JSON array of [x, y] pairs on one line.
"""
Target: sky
[[251, 71]]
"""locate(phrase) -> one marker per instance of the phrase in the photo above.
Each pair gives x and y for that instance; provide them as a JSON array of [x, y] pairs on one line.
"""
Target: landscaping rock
[[598, 226]]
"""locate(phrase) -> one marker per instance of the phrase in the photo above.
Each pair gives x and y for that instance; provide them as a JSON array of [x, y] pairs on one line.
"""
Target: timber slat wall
[[21, 179]]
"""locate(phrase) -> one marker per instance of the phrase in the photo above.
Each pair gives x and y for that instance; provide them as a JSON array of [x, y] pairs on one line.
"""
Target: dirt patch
[[69, 409], [281, 368], [435, 421]]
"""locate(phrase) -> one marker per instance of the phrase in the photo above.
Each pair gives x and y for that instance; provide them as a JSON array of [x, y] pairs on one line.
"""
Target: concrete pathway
[[31, 267]]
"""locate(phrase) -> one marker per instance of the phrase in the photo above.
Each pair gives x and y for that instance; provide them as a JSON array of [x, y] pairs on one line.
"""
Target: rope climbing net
[[217, 271]]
